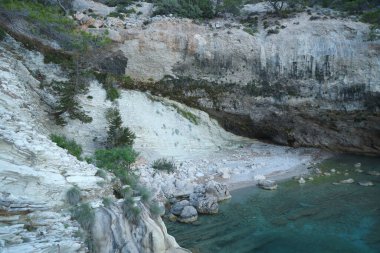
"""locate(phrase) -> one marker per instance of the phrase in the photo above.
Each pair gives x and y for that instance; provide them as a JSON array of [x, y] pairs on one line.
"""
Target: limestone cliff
[[310, 81], [35, 174]]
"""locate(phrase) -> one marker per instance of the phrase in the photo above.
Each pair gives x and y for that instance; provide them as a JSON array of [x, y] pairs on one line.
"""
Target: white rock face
[[35, 173], [160, 129], [179, 46]]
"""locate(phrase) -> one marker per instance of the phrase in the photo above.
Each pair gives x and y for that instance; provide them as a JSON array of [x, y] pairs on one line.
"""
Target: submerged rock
[[267, 184], [205, 204], [373, 173], [347, 181], [365, 183], [301, 181]]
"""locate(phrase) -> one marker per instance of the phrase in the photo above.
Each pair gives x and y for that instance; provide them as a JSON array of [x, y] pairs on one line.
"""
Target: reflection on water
[[316, 217]]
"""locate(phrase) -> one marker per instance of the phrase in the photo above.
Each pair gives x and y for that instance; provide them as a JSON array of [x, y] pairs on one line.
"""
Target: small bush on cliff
[[115, 158], [164, 164], [183, 8], [107, 202], [131, 210], [117, 135], [155, 209], [70, 145], [73, 196], [84, 215], [372, 17]]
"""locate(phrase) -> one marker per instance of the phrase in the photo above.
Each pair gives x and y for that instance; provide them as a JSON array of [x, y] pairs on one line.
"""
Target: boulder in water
[[206, 204], [189, 214], [179, 206], [373, 173], [267, 184], [347, 181], [218, 190], [366, 183]]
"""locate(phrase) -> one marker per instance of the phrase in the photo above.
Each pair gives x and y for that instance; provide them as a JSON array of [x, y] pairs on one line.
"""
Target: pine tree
[[68, 103], [117, 134]]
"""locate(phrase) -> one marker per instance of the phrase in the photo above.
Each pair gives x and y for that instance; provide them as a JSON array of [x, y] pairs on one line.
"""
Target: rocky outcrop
[[218, 190], [267, 184], [35, 174], [112, 232]]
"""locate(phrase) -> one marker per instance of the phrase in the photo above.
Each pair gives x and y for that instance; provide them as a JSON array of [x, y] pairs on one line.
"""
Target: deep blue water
[[316, 217]]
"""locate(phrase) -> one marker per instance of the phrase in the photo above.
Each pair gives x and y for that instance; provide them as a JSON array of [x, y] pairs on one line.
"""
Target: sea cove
[[318, 216]]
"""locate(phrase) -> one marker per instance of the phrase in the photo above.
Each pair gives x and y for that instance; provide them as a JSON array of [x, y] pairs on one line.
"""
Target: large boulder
[[267, 184], [206, 204], [189, 214], [220, 191], [178, 207]]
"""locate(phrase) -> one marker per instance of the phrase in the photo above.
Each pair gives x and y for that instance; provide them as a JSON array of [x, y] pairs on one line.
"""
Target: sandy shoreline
[[239, 167]]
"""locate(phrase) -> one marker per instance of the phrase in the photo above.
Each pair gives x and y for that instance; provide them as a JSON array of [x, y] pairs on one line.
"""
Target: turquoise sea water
[[315, 217]]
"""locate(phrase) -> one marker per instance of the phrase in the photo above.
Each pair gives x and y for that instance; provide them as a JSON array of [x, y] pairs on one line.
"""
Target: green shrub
[[145, 194], [48, 21], [73, 196], [107, 202], [84, 215], [164, 164], [372, 17], [117, 135], [231, 6], [273, 31], [127, 81], [114, 3], [154, 208], [187, 115], [183, 8], [131, 210], [112, 93], [115, 159], [116, 15], [101, 173], [249, 30], [70, 145]]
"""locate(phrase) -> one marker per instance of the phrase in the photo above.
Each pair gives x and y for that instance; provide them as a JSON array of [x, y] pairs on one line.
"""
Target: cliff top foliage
[[50, 22], [204, 9], [369, 10]]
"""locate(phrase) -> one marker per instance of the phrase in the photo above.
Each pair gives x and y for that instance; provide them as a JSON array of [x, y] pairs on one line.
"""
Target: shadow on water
[[316, 217]]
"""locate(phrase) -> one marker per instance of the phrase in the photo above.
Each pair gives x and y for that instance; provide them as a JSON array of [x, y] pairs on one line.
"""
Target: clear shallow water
[[315, 217]]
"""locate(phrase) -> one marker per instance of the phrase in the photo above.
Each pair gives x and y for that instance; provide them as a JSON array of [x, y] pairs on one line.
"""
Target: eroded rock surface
[[35, 174], [314, 83]]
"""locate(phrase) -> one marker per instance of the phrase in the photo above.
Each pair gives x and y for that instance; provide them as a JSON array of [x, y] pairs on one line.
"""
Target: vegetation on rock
[[164, 164], [73, 196], [85, 216], [196, 9], [117, 135], [70, 145]]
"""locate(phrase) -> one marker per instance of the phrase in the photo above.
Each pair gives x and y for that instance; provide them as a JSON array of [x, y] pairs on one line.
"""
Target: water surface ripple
[[316, 217]]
